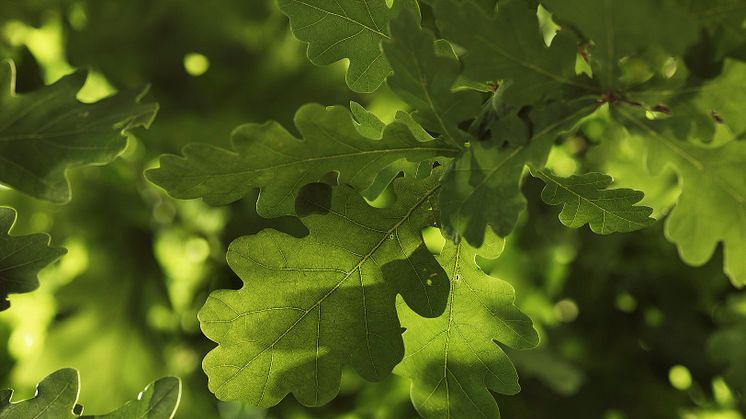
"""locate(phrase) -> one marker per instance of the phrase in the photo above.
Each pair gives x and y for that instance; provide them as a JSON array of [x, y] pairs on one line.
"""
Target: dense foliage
[[554, 189]]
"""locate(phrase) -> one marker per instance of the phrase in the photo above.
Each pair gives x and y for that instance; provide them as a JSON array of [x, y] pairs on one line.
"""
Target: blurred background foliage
[[628, 331]]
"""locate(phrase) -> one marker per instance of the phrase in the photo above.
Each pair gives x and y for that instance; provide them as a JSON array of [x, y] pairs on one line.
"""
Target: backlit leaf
[[57, 397], [310, 306], [712, 205], [454, 360]]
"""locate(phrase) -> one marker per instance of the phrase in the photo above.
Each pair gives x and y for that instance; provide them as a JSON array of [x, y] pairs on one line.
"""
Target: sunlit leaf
[[454, 360], [310, 306]]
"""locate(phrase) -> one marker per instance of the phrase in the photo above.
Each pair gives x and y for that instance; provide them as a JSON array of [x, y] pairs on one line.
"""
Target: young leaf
[[482, 186], [424, 79], [57, 396], [21, 258], [712, 204], [585, 200], [269, 157], [352, 29], [310, 306], [45, 132], [608, 24], [508, 46], [454, 360]]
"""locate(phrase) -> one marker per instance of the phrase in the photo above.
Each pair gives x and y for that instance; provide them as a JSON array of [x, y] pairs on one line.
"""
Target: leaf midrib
[[406, 150]]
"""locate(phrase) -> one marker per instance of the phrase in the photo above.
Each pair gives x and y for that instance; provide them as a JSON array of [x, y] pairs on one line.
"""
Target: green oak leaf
[[47, 131], [310, 306], [57, 396], [424, 79], [369, 125], [21, 258], [366, 122], [268, 157], [607, 24], [697, 107], [508, 46], [352, 29], [585, 199], [482, 186], [159, 400], [454, 360], [712, 205]]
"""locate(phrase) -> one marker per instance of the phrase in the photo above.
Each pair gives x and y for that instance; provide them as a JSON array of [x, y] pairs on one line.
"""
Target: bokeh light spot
[[196, 64]]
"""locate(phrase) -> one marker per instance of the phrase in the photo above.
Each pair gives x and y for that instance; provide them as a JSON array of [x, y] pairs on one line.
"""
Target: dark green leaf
[[56, 397], [508, 46], [159, 400], [352, 29], [21, 258], [424, 79], [482, 187], [622, 28], [47, 131], [585, 199]]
